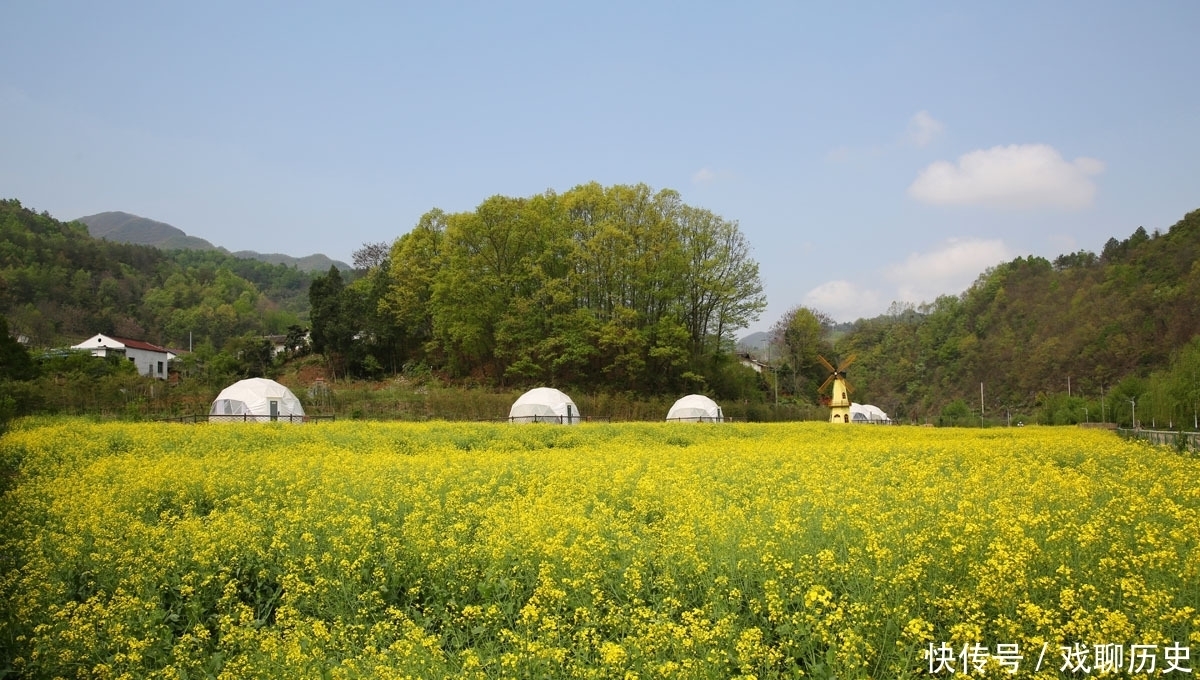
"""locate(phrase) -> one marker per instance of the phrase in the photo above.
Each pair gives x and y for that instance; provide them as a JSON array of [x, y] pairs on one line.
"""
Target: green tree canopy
[[616, 286]]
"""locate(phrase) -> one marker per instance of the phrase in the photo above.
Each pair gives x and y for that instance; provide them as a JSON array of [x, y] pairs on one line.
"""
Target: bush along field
[[371, 550]]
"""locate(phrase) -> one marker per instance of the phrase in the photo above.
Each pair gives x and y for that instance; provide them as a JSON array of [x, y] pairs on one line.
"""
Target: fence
[[246, 418], [561, 420], [1183, 441]]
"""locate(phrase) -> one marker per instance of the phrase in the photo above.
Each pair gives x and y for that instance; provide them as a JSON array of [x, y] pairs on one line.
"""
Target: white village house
[[749, 361], [150, 360]]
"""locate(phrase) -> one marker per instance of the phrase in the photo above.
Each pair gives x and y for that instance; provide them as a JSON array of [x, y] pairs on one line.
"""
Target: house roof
[[100, 339], [139, 344]]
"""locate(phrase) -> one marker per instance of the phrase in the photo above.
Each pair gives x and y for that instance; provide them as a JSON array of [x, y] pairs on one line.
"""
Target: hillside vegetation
[[59, 285], [1035, 332]]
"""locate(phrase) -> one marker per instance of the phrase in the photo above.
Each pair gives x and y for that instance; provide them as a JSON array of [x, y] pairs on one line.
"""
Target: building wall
[[147, 362]]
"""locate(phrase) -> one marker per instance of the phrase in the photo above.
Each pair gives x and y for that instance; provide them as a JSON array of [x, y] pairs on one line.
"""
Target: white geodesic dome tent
[[866, 413], [696, 408], [256, 400], [544, 405]]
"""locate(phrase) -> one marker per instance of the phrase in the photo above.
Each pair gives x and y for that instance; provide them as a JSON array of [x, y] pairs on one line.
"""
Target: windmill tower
[[839, 397]]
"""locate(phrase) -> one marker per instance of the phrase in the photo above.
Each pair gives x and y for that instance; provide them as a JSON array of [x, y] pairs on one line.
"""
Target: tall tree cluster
[[798, 338], [617, 287]]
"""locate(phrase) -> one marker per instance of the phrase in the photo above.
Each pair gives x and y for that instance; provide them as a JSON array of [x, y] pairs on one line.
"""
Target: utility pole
[[981, 400], [1133, 406]]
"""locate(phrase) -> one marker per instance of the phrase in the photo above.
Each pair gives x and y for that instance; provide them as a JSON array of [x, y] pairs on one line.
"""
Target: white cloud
[[950, 269], [1017, 176], [843, 300], [922, 128], [703, 176]]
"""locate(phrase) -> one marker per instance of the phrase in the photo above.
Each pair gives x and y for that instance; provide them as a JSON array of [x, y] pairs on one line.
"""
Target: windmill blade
[[849, 387], [826, 364], [826, 383], [849, 360]]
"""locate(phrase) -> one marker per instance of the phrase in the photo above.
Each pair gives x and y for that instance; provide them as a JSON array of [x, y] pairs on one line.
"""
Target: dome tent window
[[867, 413]]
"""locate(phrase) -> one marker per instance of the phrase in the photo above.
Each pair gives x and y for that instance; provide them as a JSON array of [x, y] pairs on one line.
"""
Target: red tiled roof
[[138, 344]]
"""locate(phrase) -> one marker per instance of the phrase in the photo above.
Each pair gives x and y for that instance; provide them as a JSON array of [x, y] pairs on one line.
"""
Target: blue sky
[[870, 152]]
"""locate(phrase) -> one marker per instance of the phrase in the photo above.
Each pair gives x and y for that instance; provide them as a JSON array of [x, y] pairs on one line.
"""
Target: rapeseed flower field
[[379, 550]]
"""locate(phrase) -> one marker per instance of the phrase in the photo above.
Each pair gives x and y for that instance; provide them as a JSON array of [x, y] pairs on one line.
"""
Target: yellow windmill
[[839, 397]]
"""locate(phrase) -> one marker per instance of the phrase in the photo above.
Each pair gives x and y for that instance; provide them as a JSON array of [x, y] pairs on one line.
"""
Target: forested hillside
[[58, 285], [1033, 331]]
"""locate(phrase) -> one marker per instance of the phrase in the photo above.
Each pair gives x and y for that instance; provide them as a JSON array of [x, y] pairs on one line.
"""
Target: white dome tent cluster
[[256, 400], [866, 413], [695, 408], [544, 405]]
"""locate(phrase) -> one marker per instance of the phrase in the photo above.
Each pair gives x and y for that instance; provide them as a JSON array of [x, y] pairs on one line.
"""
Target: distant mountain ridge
[[123, 227], [755, 343]]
